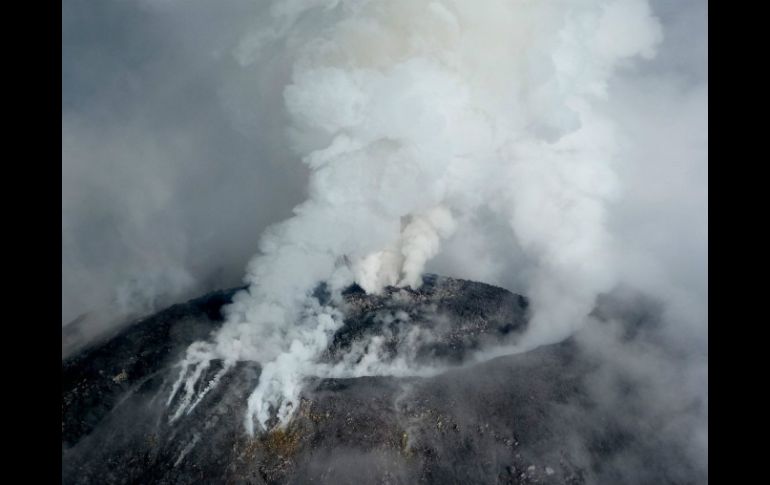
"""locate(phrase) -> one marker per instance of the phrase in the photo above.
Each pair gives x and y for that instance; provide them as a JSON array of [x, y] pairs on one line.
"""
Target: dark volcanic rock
[[94, 380], [524, 418], [462, 316]]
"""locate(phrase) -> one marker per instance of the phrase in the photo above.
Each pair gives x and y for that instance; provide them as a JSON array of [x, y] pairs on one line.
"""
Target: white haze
[[554, 148]]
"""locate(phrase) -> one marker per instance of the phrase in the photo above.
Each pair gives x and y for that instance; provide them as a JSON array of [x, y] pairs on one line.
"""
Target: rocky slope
[[527, 418]]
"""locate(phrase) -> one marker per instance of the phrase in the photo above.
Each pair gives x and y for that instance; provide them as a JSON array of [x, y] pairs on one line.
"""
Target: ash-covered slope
[[527, 418]]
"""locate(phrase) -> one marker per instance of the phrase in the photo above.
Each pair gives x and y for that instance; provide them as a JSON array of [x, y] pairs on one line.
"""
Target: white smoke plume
[[414, 117]]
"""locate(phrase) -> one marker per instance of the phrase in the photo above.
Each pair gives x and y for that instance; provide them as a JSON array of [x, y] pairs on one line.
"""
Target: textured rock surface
[[524, 418]]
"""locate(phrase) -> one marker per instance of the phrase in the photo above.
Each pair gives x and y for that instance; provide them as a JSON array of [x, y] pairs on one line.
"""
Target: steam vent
[[532, 417]]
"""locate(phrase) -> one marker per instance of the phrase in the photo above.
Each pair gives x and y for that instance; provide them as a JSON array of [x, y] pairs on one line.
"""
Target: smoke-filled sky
[[176, 157]]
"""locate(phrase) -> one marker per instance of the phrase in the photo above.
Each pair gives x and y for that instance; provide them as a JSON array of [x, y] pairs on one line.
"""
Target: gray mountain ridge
[[525, 418]]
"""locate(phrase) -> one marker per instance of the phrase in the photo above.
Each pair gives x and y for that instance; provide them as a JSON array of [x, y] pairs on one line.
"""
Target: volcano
[[531, 417]]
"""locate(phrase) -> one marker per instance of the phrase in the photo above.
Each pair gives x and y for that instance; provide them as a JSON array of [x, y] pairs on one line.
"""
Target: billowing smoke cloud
[[412, 117]]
